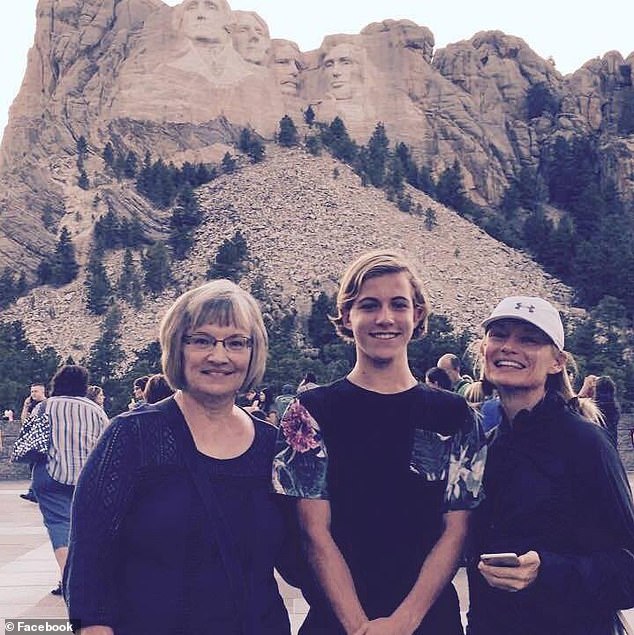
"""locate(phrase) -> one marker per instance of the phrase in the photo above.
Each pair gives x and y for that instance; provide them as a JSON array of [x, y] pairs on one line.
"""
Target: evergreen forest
[[564, 212]]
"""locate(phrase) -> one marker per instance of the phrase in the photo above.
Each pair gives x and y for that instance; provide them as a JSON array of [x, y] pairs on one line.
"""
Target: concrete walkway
[[28, 570]]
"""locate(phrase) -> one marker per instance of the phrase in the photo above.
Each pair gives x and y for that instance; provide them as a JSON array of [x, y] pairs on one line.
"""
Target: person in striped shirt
[[76, 424]]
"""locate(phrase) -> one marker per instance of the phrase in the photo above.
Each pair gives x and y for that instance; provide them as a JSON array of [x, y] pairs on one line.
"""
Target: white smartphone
[[501, 559]]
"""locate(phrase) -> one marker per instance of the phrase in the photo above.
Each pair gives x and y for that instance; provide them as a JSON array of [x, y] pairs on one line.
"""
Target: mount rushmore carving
[[200, 60], [177, 80]]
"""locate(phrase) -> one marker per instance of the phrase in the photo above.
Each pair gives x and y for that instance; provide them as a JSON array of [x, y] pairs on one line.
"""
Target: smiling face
[[382, 318], [518, 356], [215, 372], [205, 20]]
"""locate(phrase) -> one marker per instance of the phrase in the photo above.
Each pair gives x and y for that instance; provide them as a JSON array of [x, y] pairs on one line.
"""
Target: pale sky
[[570, 31]]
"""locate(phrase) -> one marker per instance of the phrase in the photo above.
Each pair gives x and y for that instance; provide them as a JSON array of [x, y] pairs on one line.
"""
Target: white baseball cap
[[536, 311]]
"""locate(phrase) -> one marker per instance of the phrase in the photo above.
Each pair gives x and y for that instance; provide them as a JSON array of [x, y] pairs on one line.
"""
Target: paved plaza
[[28, 570]]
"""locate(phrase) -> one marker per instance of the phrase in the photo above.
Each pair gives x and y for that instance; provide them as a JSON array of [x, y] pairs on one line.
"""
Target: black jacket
[[554, 484]]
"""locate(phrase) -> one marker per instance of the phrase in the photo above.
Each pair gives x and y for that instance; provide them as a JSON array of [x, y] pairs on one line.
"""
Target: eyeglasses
[[232, 344]]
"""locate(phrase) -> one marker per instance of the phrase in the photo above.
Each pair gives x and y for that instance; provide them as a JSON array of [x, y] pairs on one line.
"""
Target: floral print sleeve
[[301, 460], [467, 459], [458, 458]]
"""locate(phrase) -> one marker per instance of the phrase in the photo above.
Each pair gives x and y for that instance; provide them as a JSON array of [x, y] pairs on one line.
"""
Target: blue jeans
[[54, 500]]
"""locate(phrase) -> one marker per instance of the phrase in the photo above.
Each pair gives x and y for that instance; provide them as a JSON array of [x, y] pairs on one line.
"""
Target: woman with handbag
[[174, 526], [75, 423], [557, 495]]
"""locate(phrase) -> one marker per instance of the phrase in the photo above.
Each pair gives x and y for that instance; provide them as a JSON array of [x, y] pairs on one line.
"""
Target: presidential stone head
[[286, 62], [204, 21], [342, 67], [250, 35]]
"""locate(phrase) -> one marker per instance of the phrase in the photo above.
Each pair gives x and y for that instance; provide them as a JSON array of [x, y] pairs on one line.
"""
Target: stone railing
[[626, 441], [19, 471], [10, 471]]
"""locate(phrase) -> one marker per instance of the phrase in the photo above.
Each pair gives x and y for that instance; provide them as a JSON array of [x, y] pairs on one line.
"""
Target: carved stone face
[[342, 67], [205, 20], [250, 37], [286, 65]]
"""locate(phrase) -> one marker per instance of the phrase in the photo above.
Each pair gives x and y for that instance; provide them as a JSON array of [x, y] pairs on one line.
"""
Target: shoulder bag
[[33, 441]]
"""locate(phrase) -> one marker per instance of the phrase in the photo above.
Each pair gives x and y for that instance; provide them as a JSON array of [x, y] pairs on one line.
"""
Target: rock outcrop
[[100, 67]]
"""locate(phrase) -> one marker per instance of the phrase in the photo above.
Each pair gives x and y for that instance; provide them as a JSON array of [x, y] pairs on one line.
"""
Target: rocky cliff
[[303, 221], [183, 81]]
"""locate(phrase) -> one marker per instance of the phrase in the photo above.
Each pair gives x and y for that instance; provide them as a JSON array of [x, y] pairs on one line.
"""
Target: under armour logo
[[530, 307]]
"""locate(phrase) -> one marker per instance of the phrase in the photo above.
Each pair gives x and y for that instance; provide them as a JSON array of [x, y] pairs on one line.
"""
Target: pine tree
[[129, 286], [82, 147], [7, 287], [287, 136], [106, 354], [394, 179], [410, 168], [251, 145], [537, 232], [336, 137], [98, 287], [130, 165], [185, 217], [258, 288], [156, 267], [83, 181], [158, 183], [540, 99], [107, 231], [108, 154], [378, 154], [319, 329], [431, 220], [256, 150], [313, 144], [230, 261], [449, 189], [204, 174], [21, 364], [228, 164], [426, 182], [62, 266], [48, 216], [21, 285], [309, 115], [244, 141]]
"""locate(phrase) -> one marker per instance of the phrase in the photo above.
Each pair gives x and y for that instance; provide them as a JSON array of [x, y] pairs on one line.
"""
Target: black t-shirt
[[384, 463]]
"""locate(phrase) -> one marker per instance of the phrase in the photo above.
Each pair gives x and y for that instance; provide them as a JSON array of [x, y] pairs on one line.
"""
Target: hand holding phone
[[507, 559]]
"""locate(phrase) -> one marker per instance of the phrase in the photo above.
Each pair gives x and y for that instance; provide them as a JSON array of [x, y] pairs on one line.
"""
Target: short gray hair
[[218, 302]]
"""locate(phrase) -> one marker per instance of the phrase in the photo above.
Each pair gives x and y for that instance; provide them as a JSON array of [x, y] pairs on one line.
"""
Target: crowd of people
[[367, 493]]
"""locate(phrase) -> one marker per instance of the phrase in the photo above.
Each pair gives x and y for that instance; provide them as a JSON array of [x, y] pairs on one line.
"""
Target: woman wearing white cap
[[556, 493]]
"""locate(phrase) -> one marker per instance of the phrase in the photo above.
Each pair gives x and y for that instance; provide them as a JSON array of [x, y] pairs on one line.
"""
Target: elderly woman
[[170, 504], [556, 493], [76, 424]]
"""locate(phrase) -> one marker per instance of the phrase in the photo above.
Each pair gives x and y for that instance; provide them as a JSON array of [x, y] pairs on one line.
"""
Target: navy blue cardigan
[[142, 556]]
